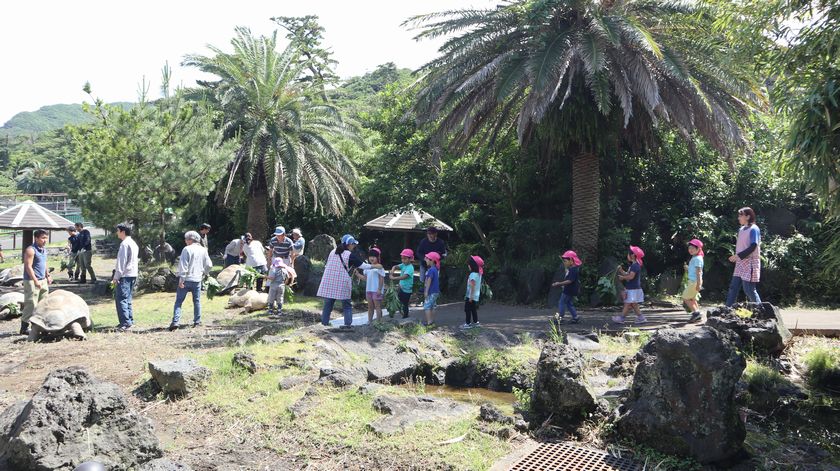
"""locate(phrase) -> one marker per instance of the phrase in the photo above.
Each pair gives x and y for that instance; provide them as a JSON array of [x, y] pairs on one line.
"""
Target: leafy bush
[[523, 398]]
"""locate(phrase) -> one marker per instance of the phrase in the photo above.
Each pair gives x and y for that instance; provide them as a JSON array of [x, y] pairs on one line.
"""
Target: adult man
[[279, 246], [252, 250], [204, 229], [193, 266], [233, 251], [430, 243], [36, 277], [85, 254], [298, 244], [73, 258], [125, 276]]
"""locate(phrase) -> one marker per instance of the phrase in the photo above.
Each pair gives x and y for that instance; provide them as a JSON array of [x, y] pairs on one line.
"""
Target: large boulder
[[311, 285], [779, 221], [560, 390], [682, 400], [763, 332], [404, 411], [163, 464], [554, 292], [320, 246], [179, 377], [303, 269], [11, 305], [249, 299], [74, 418], [60, 314], [530, 284]]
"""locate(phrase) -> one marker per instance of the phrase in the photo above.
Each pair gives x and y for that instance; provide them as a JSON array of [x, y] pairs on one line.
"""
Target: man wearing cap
[[298, 244], [280, 246], [430, 243], [194, 264]]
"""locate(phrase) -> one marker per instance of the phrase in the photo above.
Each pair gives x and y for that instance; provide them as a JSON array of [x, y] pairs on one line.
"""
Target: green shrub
[[761, 377], [821, 363]]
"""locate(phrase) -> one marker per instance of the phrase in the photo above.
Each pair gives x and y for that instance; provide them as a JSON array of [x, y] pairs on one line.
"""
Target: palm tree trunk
[[586, 208], [258, 208]]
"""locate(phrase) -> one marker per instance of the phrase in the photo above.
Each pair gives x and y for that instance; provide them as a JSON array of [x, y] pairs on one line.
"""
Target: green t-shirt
[[407, 285]]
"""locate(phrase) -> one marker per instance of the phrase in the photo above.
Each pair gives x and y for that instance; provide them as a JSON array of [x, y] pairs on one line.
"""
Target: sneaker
[[346, 327], [640, 320], [575, 320], [466, 326], [560, 319], [123, 328], [618, 319], [173, 327], [476, 324], [196, 324], [405, 316], [695, 316]]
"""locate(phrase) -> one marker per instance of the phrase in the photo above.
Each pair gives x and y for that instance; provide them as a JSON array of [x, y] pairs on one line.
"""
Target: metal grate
[[562, 456]]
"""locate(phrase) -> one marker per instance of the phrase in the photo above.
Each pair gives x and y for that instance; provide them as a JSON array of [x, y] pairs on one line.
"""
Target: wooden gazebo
[[407, 221], [29, 216]]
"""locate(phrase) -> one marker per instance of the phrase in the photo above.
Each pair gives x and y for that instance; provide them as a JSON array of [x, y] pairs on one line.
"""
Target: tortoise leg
[[34, 332], [77, 332]]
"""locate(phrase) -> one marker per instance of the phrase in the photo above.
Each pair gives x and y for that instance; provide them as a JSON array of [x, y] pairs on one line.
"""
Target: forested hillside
[[47, 118]]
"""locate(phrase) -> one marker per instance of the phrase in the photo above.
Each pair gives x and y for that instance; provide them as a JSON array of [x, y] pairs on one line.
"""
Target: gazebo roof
[[30, 215], [407, 221]]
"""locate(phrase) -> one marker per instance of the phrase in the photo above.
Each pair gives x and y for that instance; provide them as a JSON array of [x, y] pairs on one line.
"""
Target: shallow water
[[471, 395]]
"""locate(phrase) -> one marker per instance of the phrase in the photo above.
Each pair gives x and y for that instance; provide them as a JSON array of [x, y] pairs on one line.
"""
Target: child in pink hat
[[694, 273], [405, 278], [632, 278], [432, 289], [571, 286], [476, 266]]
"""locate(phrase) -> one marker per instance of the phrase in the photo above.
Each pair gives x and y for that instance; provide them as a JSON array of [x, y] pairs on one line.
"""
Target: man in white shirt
[[254, 253], [233, 251], [194, 264], [125, 276]]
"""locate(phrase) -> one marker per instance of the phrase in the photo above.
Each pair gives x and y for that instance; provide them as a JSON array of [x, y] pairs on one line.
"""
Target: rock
[[402, 412], [179, 377], [249, 299], [581, 342], [74, 418], [245, 361], [554, 292], [304, 404], [11, 305], [391, 368], [503, 287], [631, 336], [682, 399], [320, 247], [163, 464], [310, 287], [624, 365], [370, 389], [779, 221], [559, 389], [469, 373], [530, 283], [765, 332], [60, 314], [290, 382], [229, 277], [342, 377], [303, 268], [489, 413], [670, 283]]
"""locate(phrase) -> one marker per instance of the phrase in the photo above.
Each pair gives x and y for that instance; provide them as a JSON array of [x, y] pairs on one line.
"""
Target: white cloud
[[51, 48]]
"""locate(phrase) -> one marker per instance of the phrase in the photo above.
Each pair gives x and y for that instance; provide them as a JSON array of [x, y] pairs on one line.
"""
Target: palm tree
[[285, 134], [593, 77], [37, 177]]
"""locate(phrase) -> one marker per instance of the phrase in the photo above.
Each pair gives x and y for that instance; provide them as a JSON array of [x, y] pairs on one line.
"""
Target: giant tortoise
[[11, 305], [60, 314]]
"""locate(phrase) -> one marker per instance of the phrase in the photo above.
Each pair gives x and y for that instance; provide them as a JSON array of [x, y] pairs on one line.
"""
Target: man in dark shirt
[[279, 246], [73, 258], [431, 243], [204, 229], [85, 254]]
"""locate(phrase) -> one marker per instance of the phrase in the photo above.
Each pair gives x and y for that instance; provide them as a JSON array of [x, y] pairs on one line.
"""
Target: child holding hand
[[632, 279], [476, 266], [571, 286]]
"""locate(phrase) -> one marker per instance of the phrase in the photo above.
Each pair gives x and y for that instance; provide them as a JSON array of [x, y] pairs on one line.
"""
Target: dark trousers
[[471, 309], [404, 299]]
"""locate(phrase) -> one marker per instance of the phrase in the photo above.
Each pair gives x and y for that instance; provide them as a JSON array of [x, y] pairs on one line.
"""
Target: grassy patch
[[504, 361], [761, 377], [618, 345], [821, 362]]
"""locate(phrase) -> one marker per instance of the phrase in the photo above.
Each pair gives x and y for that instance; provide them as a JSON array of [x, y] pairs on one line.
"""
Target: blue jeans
[[328, 306], [231, 260], [193, 287], [567, 302], [749, 289], [122, 297]]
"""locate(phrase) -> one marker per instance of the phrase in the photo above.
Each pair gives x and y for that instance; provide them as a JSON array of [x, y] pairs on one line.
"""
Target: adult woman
[[255, 257], [298, 244], [747, 259], [336, 283]]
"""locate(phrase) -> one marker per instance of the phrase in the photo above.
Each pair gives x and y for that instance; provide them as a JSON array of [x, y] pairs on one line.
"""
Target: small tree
[[143, 164]]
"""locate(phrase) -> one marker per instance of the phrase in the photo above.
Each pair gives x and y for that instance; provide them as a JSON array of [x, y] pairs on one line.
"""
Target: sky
[[50, 48]]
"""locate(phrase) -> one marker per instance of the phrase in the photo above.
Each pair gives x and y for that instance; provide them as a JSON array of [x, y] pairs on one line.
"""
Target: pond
[[502, 400]]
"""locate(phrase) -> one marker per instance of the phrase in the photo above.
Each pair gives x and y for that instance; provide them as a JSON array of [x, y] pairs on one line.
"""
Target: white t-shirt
[[254, 254], [234, 247], [373, 275]]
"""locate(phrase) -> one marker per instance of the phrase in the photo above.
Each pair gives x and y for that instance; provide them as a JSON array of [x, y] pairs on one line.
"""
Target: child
[[432, 289], [632, 279], [695, 279], [277, 277], [571, 286], [476, 265], [375, 286], [406, 279]]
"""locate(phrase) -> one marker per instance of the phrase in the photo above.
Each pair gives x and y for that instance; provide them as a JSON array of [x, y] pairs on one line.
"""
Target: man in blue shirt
[[430, 243], [36, 277], [280, 246], [85, 254]]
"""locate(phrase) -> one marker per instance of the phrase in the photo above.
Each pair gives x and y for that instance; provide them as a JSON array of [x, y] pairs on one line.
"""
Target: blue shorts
[[431, 301]]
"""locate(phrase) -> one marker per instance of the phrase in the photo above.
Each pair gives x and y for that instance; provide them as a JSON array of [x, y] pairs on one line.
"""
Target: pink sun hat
[[572, 255], [697, 243], [435, 257], [480, 262], [407, 253], [638, 252]]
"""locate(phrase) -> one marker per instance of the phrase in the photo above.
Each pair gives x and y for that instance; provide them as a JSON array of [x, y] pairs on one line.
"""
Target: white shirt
[[373, 279], [127, 259], [254, 254], [234, 247]]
